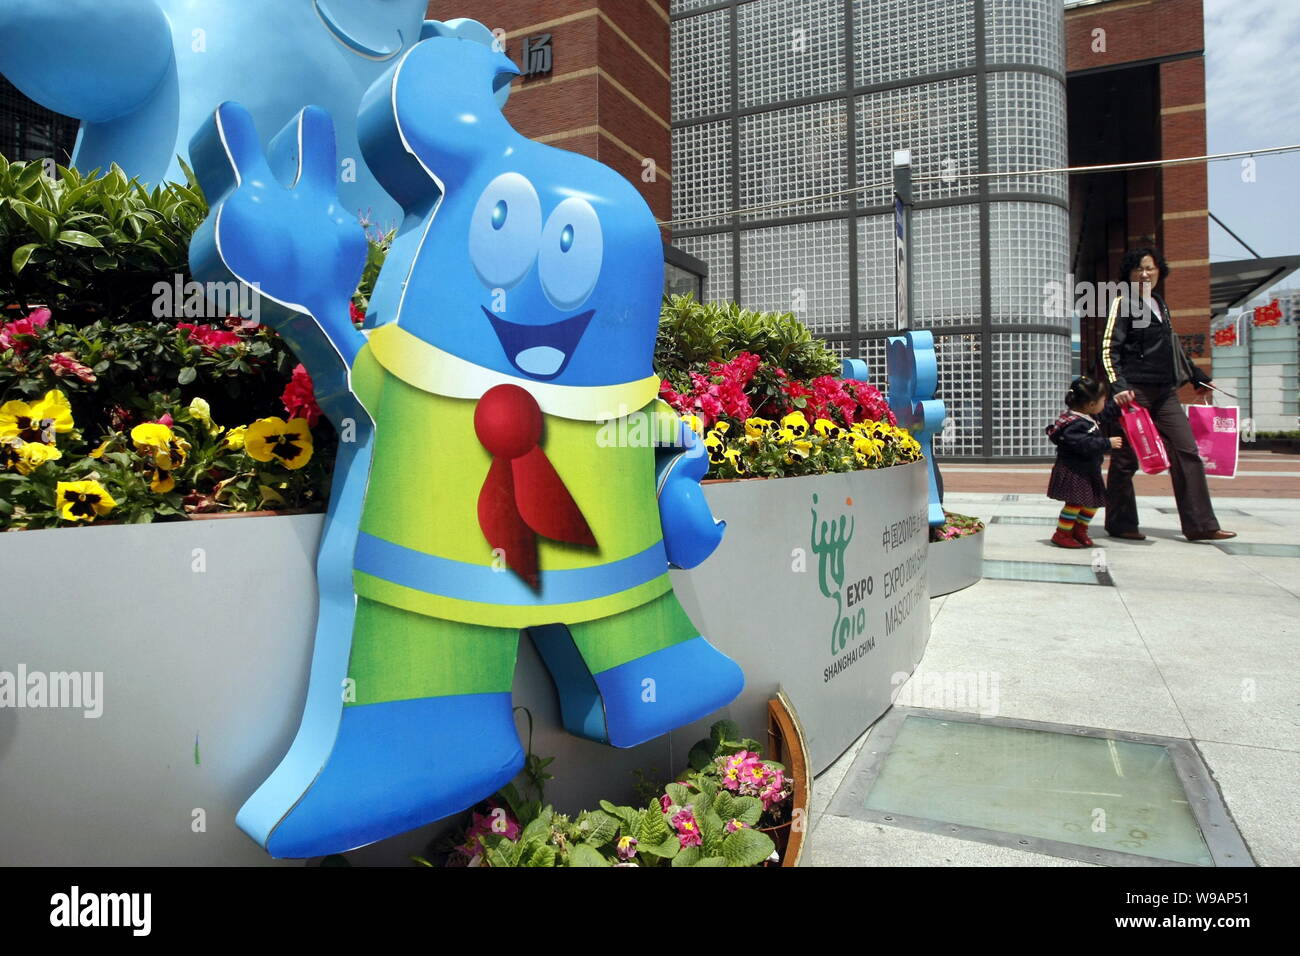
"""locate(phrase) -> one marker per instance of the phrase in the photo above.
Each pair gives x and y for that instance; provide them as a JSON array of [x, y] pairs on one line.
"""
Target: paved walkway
[[1259, 475], [1191, 642]]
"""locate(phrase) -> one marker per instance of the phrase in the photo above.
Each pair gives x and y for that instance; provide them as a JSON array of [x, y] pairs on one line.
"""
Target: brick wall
[[1172, 204], [607, 95]]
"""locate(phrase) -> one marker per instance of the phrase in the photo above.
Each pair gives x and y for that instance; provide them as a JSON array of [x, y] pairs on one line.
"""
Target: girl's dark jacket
[[1080, 444]]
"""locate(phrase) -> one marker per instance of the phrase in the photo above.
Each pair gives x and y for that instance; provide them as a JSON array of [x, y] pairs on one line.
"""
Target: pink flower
[[358, 315], [626, 848], [497, 821], [165, 420], [300, 398], [733, 825], [687, 827], [738, 768], [665, 802], [9, 332], [773, 791], [209, 337], [63, 364]]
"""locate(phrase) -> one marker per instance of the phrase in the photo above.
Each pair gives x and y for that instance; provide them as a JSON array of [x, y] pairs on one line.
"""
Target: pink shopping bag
[[1144, 439], [1215, 430]]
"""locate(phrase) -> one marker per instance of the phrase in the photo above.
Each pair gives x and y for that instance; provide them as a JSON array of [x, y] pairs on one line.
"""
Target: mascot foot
[[398, 765]]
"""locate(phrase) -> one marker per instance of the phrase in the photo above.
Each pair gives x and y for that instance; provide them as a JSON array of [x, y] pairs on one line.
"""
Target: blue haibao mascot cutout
[[913, 377], [479, 494], [143, 75]]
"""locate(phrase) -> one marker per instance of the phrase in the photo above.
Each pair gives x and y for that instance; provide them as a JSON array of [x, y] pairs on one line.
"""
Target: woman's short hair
[[1083, 392], [1133, 258]]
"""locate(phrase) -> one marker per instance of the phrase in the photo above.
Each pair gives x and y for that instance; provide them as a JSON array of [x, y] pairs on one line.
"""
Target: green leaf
[[540, 854], [537, 830], [678, 794], [724, 805], [747, 810], [747, 847], [630, 816], [602, 828], [687, 857], [74, 237], [580, 854], [653, 829], [724, 730], [701, 755], [186, 375], [713, 861], [21, 256]]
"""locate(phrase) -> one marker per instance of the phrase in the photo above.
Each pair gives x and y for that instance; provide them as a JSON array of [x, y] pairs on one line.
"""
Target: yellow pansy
[[82, 500], [37, 421], [798, 449], [201, 412], [162, 481], [33, 454], [99, 451], [716, 446], [160, 444], [732, 455], [289, 442], [758, 427], [234, 439], [827, 428], [796, 423]]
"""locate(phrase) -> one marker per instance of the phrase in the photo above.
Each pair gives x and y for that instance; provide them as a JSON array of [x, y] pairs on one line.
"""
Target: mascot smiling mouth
[[540, 351], [348, 39]]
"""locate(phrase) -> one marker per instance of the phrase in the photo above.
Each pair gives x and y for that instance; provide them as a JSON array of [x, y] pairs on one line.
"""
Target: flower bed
[[760, 391], [122, 399], [956, 554], [719, 812], [956, 526]]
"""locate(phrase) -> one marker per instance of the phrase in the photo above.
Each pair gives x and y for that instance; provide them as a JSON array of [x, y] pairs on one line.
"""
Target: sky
[[1252, 80]]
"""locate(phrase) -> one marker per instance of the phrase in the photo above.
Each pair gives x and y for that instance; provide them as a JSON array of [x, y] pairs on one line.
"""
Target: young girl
[[1080, 448]]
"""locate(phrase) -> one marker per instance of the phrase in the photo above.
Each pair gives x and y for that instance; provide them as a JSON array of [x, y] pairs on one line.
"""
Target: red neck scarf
[[522, 497]]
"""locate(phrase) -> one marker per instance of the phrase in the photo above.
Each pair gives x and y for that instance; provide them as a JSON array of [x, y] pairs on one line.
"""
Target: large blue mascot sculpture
[[473, 494], [143, 75]]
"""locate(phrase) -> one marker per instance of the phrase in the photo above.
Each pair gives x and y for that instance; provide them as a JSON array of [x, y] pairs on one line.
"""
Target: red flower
[[300, 398], [209, 337], [358, 315], [63, 364]]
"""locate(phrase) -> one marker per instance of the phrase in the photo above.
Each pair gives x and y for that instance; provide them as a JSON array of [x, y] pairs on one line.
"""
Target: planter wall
[[956, 563], [759, 598], [202, 632]]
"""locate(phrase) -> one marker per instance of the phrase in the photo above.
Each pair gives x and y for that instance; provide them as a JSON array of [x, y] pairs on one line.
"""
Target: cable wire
[[949, 177]]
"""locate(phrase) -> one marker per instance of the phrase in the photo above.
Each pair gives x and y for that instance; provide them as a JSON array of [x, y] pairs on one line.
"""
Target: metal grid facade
[[30, 132], [778, 103]]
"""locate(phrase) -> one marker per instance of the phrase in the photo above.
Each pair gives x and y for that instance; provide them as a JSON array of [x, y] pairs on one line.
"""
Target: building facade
[[791, 110], [1136, 88]]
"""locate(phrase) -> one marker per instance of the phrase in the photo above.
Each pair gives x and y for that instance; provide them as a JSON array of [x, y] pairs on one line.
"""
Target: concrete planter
[[199, 635], [839, 639], [956, 563]]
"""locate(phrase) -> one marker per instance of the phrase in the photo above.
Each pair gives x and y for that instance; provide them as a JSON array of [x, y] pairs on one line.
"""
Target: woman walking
[[1145, 363]]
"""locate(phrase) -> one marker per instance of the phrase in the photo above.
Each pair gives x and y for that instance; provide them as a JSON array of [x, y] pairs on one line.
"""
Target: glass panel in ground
[[1107, 794], [1042, 571]]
